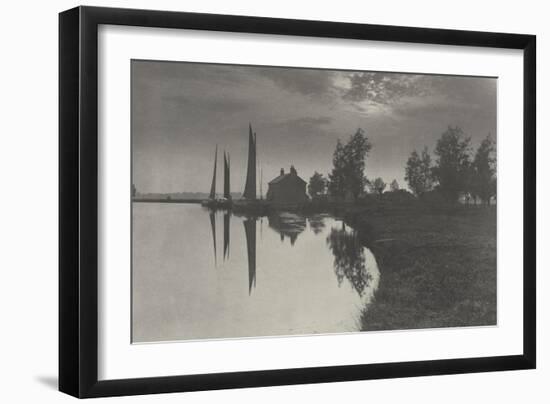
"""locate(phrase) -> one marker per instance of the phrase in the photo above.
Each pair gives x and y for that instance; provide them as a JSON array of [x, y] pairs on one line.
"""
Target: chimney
[[282, 171], [293, 170]]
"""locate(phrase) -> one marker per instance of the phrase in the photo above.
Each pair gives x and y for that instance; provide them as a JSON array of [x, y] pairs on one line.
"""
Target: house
[[287, 189]]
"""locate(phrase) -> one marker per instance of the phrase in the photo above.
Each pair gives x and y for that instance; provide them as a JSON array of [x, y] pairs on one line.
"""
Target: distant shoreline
[[166, 200]]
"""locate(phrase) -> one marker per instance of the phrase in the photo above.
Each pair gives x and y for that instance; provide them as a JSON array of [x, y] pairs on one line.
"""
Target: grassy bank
[[438, 266]]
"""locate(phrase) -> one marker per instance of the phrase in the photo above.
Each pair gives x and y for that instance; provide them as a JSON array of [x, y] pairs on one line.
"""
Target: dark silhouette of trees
[[418, 172], [317, 185], [483, 171], [469, 192], [379, 185], [368, 186], [348, 172], [394, 186], [336, 185], [454, 172], [453, 163]]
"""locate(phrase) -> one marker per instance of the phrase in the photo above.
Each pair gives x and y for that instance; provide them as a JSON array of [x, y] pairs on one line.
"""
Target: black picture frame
[[78, 201]]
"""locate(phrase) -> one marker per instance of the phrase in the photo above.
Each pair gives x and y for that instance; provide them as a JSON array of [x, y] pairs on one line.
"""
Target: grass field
[[438, 266]]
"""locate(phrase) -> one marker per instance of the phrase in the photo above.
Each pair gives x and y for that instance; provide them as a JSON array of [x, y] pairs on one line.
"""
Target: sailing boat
[[226, 179], [249, 203], [250, 185], [249, 200], [212, 201]]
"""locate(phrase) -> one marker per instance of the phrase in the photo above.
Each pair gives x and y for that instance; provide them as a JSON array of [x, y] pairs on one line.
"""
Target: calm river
[[203, 275]]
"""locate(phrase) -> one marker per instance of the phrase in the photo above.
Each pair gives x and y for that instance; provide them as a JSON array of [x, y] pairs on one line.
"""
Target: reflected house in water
[[287, 225], [287, 189], [317, 223]]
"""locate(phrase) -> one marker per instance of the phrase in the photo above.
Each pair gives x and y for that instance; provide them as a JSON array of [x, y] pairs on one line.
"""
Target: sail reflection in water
[[213, 226], [226, 234], [319, 282], [250, 232]]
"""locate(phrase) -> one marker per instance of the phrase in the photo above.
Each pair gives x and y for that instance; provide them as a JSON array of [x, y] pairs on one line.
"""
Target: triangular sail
[[261, 188], [226, 178], [250, 185], [213, 186]]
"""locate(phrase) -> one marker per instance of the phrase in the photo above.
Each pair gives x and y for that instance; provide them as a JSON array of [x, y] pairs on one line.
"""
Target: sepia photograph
[[283, 201]]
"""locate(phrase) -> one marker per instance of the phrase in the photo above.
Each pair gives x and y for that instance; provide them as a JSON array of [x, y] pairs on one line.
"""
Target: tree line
[[456, 171]]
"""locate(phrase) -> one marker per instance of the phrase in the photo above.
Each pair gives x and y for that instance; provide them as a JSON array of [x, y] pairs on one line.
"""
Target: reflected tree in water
[[349, 258]]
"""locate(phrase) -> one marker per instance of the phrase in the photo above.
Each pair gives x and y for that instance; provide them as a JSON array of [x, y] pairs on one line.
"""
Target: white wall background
[[28, 207]]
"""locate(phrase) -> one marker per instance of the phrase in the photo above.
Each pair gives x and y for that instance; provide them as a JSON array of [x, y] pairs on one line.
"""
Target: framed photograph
[[251, 201]]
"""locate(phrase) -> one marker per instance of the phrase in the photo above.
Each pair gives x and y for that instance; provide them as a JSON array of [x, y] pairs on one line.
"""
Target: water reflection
[[226, 235], [344, 243], [250, 233], [287, 225], [349, 258], [213, 227], [319, 282], [317, 223]]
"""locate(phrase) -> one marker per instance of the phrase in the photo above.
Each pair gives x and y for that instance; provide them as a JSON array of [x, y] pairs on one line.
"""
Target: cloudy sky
[[180, 111]]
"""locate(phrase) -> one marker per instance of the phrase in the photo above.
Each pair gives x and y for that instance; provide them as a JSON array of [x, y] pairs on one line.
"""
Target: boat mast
[[213, 187], [226, 184]]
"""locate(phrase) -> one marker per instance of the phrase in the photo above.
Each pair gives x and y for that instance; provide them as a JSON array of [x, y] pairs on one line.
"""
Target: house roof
[[280, 178]]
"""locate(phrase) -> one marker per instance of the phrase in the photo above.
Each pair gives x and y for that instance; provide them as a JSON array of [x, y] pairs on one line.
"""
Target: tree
[[418, 172], [394, 186], [337, 184], [369, 189], [317, 185], [470, 191], [379, 185], [453, 163], [483, 181], [348, 172]]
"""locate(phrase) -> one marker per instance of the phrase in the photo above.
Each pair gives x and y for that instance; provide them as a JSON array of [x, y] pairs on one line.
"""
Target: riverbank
[[438, 266]]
